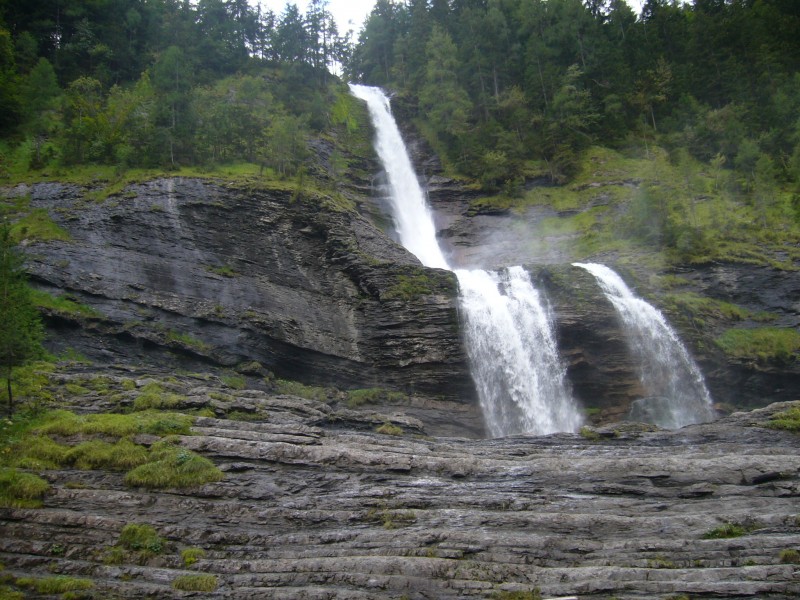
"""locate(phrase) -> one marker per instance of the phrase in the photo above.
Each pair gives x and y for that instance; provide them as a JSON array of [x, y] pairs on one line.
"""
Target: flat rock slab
[[309, 509]]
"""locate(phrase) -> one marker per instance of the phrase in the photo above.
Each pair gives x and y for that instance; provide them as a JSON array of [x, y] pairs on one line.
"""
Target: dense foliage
[[162, 83], [497, 83], [20, 325]]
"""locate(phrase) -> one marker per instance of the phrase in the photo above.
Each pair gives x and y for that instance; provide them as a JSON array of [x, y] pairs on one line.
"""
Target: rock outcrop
[[316, 504], [220, 274]]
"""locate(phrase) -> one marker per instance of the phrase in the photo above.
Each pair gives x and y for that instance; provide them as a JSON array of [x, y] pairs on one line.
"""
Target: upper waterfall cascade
[[677, 394], [518, 374]]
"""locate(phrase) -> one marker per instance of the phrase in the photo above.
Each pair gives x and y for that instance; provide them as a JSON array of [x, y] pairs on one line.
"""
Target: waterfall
[[412, 217], [677, 392], [514, 360], [515, 363]]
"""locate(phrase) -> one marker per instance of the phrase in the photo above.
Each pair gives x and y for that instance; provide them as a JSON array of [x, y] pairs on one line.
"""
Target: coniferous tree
[[20, 326]]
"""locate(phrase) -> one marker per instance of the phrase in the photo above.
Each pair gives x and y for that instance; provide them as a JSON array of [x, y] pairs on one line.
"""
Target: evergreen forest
[[705, 94]]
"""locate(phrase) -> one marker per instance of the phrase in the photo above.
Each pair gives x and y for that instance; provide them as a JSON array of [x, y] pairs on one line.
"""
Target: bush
[[195, 583], [21, 490]]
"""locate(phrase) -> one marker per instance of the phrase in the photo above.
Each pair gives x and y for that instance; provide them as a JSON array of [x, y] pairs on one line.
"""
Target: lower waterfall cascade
[[677, 394], [514, 361]]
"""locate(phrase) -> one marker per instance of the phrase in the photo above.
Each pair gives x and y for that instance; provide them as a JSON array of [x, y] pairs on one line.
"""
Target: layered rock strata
[[316, 504], [213, 273]]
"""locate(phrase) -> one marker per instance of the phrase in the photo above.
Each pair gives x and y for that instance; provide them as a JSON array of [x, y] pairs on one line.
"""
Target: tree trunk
[[10, 397]]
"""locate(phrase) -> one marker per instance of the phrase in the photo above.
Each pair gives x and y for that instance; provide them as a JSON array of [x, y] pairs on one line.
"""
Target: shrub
[[21, 490], [171, 466], [195, 583]]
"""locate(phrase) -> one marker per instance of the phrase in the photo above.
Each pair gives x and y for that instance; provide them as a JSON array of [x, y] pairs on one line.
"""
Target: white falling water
[[677, 392], [520, 380], [515, 363], [413, 219]]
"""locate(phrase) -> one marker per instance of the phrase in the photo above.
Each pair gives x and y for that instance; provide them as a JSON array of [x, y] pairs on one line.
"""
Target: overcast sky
[[350, 14]]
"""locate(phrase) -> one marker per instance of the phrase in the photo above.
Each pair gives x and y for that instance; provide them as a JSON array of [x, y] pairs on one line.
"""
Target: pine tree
[[20, 326]]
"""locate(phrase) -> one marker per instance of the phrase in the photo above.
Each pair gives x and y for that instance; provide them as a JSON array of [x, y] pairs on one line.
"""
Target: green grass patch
[[764, 344], [295, 388], [529, 595], [224, 271], [389, 429], [21, 490], [195, 583], [137, 544], [374, 396], [409, 287], [31, 385], [171, 466], [37, 452], [698, 309], [37, 226], [588, 433], [790, 556], [187, 341], [788, 420], [236, 382], [191, 555], [153, 396], [96, 454], [65, 423], [729, 530], [141, 537], [55, 585], [61, 305], [6, 593]]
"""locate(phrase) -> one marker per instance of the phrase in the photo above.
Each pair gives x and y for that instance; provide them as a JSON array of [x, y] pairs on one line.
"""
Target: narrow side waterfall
[[519, 377], [677, 392]]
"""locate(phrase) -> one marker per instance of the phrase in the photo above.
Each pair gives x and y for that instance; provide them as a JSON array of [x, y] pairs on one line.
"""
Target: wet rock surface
[[316, 504]]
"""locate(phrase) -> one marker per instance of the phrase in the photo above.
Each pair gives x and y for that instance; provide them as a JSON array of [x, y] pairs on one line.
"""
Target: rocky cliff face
[[226, 275]]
